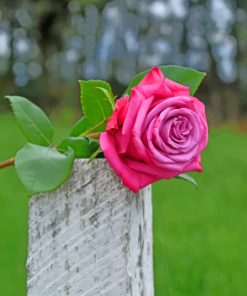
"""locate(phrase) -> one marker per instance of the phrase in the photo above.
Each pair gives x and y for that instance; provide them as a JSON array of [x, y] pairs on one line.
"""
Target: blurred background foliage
[[46, 46]]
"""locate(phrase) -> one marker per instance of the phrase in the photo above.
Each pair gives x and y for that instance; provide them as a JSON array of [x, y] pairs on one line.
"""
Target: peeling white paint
[[91, 237]]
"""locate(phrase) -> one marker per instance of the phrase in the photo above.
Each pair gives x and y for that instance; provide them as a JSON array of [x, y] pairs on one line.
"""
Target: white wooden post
[[90, 237]]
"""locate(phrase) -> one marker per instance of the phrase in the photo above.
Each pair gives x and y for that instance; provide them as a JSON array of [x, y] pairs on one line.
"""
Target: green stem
[[93, 128], [94, 155]]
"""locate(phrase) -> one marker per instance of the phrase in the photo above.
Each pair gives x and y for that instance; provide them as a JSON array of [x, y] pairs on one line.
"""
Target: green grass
[[199, 235]]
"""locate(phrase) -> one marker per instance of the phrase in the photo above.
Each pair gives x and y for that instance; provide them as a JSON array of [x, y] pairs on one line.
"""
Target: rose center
[[180, 129]]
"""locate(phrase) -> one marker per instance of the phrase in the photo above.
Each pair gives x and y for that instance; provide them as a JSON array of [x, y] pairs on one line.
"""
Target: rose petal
[[130, 178], [135, 102], [194, 166], [137, 150], [117, 118], [141, 115], [156, 84], [173, 103], [155, 173]]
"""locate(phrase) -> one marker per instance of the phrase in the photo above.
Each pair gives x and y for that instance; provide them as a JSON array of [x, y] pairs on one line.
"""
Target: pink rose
[[158, 132]]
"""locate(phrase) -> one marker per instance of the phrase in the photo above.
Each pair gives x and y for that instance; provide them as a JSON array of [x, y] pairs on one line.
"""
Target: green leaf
[[33, 122], [186, 76], [96, 105], [109, 95], [80, 126], [83, 147], [42, 169], [187, 178]]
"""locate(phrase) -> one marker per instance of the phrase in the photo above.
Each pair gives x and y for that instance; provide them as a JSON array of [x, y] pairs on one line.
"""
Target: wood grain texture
[[90, 237]]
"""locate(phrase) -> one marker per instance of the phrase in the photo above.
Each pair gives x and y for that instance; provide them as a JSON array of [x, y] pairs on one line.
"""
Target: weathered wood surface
[[90, 237]]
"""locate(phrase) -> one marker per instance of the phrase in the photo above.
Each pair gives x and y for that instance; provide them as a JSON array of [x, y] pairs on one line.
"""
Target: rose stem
[[7, 163], [11, 161], [94, 135]]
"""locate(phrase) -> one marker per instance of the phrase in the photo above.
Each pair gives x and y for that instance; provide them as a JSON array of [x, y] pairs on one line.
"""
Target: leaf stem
[[94, 136], [7, 163], [94, 155], [93, 128]]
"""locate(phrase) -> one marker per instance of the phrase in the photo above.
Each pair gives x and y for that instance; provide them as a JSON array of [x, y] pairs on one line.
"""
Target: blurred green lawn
[[200, 236]]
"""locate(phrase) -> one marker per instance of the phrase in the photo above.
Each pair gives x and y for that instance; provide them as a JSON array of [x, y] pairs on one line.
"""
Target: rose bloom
[[157, 132]]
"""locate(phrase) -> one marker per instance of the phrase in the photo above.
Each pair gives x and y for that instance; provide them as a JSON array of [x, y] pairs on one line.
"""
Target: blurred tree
[[47, 45]]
